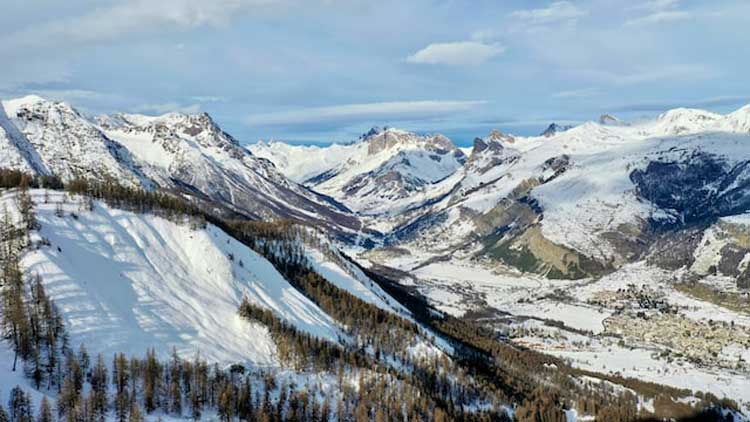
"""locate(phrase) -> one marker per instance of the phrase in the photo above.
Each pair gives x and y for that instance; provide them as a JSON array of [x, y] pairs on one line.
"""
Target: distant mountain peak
[[380, 140], [554, 128], [610, 120], [13, 105], [372, 132], [693, 114], [498, 136]]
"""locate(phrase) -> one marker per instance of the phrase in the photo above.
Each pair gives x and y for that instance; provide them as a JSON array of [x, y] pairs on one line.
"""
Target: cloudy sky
[[327, 70]]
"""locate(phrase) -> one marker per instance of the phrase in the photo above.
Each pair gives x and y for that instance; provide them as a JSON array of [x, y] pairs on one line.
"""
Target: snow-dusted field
[[458, 286]]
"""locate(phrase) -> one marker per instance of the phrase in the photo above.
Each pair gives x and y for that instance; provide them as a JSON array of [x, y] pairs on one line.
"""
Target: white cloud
[[208, 99], [456, 53], [659, 17], [70, 95], [641, 74], [484, 35], [171, 107], [656, 5], [396, 110], [577, 93], [555, 12], [124, 17], [659, 11]]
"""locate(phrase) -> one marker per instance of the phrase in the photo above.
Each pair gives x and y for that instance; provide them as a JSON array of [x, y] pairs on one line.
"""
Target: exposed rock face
[[608, 119], [497, 136], [701, 188], [554, 129], [479, 146], [490, 152], [381, 140], [743, 280], [675, 249]]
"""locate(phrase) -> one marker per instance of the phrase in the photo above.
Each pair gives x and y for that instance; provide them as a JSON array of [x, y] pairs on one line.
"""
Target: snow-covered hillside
[[68, 144], [126, 282], [15, 150], [181, 152], [383, 173], [587, 193]]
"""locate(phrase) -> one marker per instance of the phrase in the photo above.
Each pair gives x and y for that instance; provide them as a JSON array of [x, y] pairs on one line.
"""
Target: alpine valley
[[157, 267]]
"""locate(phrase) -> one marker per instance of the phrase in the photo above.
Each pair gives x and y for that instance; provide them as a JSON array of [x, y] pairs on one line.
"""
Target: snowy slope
[[15, 150], [127, 282], [68, 144], [303, 162], [347, 276], [383, 173], [192, 152], [591, 191], [189, 153]]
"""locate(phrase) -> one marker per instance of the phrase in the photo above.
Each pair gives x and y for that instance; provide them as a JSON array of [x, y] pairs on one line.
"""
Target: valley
[[597, 271]]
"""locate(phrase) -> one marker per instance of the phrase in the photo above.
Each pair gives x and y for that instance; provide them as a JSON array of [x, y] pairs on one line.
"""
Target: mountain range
[[559, 244]]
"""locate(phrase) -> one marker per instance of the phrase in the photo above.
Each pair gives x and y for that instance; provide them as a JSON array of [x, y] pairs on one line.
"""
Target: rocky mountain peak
[[390, 138], [497, 136], [610, 120], [554, 128], [12, 106], [372, 132], [490, 143], [739, 120], [68, 144]]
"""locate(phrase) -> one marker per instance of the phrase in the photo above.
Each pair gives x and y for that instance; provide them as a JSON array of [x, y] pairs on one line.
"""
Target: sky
[[328, 70]]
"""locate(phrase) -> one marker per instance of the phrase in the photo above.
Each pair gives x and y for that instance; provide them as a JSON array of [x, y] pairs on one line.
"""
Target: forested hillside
[[271, 357]]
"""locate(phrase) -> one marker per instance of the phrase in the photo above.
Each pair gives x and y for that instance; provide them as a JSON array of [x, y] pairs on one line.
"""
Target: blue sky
[[327, 70]]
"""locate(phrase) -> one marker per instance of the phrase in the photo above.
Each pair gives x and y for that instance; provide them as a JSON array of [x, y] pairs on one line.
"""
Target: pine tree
[[84, 361], [245, 401], [175, 397], [226, 403], [45, 411], [15, 322], [175, 391], [99, 388], [362, 414], [67, 397], [33, 367], [19, 405], [73, 371], [3, 414], [135, 413], [151, 381], [26, 208], [325, 411]]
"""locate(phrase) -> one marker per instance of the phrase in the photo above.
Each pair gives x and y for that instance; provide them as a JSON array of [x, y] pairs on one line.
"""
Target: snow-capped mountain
[[554, 128], [567, 203], [385, 172], [187, 153], [15, 150], [68, 145], [193, 153], [478, 234], [591, 197]]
